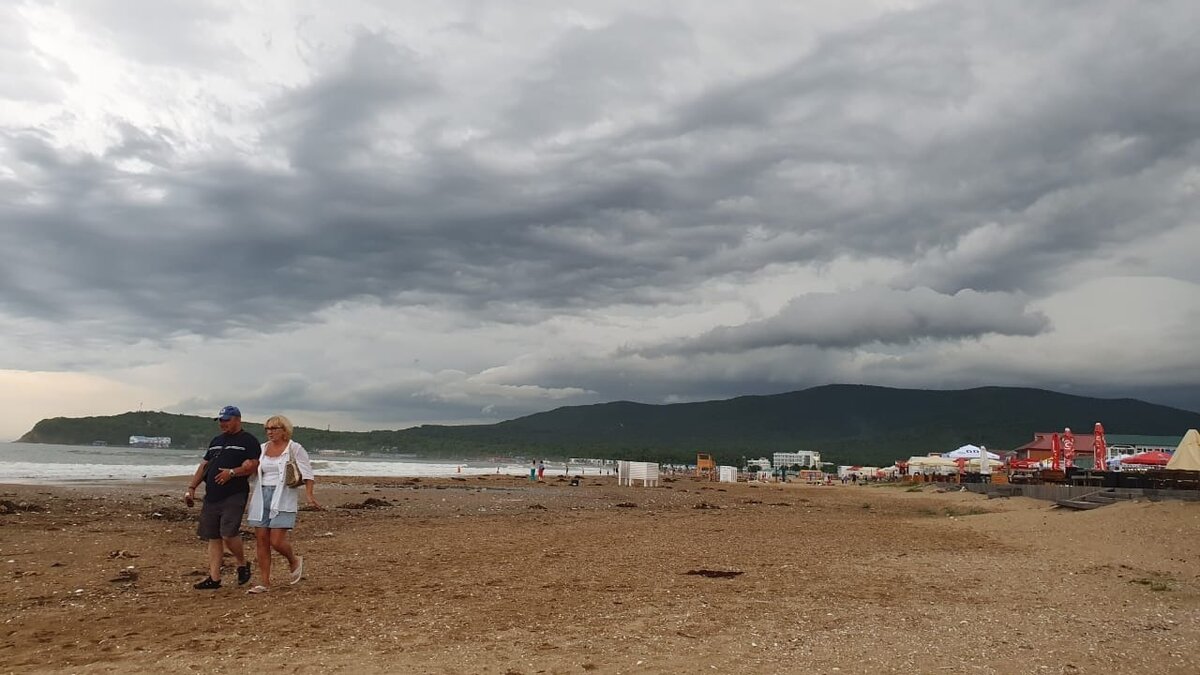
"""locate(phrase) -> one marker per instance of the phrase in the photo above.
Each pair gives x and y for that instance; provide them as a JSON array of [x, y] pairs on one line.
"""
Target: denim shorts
[[284, 520]]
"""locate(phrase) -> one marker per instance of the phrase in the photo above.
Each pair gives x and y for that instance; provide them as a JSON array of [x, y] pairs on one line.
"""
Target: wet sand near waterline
[[493, 574]]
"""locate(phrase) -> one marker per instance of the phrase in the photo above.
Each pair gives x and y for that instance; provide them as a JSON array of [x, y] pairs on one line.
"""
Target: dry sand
[[497, 575]]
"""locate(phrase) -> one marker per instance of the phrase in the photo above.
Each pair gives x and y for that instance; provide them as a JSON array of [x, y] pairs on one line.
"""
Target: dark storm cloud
[[985, 149], [872, 315], [335, 119], [345, 220], [910, 144]]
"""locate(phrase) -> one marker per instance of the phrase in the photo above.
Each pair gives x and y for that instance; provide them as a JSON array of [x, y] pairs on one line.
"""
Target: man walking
[[231, 458]]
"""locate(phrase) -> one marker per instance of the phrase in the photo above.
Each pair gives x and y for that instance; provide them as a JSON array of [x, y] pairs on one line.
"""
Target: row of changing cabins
[[647, 473]]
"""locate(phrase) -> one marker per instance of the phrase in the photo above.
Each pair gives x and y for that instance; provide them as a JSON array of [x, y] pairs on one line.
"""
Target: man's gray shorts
[[222, 518]]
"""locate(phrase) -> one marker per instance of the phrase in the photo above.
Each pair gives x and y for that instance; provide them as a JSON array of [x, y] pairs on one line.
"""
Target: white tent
[[1187, 455], [992, 465], [970, 452], [930, 465]]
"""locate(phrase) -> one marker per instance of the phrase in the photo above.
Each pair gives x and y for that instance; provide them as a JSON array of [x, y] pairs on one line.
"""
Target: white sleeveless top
[[271, 469]]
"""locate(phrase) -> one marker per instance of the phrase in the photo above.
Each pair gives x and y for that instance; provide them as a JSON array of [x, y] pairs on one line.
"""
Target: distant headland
[[849, 424]]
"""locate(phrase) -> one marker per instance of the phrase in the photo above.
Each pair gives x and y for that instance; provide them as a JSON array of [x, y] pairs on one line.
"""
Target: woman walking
[[273, 505]]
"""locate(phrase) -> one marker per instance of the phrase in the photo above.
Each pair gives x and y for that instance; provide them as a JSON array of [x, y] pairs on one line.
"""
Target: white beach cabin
[[646, 472]]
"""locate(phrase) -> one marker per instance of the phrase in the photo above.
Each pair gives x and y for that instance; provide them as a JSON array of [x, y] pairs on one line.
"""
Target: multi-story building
[[807, 459], [149, 441]]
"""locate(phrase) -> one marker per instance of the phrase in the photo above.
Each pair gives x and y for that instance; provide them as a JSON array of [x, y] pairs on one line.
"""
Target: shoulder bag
[[291, 472]]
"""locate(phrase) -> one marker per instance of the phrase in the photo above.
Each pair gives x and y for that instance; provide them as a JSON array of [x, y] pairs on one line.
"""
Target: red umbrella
[[1151, 458], [1099, 448]]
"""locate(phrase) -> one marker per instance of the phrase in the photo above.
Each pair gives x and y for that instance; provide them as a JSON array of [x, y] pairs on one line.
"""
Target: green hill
[[846, 423]]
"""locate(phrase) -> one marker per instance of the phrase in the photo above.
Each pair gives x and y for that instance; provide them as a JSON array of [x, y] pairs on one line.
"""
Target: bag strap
[[291, 461]]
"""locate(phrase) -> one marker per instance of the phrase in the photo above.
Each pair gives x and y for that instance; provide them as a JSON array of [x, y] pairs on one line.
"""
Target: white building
[[860, 471], [762, 463], [807, 459], [149, 441]]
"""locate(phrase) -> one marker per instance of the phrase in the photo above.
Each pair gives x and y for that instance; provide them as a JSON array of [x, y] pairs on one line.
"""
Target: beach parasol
[[984, 467], [1150, 458], [1099, 448], [1055, 453], [1068, 446], [1187, 455], [929, 465]]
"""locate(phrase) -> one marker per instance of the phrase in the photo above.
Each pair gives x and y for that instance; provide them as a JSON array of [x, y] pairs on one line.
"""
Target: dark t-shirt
[[228, 451]]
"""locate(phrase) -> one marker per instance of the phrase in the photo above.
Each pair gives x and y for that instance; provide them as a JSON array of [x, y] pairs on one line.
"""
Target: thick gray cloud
[[708, 205], [871, 315]]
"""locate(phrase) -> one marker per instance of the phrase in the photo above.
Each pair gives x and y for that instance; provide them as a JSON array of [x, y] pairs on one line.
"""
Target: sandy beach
[[493, 574]]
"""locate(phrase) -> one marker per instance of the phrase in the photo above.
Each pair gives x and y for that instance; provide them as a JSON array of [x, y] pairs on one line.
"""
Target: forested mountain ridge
[[857, 424]]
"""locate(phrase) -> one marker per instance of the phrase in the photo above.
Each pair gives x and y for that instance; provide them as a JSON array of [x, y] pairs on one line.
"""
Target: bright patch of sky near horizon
[[376, 215]]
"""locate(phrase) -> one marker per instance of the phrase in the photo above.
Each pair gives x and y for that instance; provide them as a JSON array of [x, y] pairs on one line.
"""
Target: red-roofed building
[[1040, 447], [1118, 444]]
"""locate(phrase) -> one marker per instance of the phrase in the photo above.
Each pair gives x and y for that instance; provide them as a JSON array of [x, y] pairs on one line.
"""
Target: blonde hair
[[283, 422]]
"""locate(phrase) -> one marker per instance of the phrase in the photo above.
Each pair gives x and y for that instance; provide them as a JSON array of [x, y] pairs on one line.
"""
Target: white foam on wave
[[36, 471], [324, 467]]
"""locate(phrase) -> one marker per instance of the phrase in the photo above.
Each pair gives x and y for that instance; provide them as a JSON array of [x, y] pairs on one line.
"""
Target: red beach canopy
[[1024, 464], [1151, 458]]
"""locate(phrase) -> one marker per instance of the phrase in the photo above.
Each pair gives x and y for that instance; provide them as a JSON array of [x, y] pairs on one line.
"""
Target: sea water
[[48, 463]]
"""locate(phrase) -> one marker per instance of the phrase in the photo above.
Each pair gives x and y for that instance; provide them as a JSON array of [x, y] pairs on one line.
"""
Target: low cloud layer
[[871, 316], [370, 217]]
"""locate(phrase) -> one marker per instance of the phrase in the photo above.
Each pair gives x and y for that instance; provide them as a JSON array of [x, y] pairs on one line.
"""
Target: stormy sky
[[375, 215]]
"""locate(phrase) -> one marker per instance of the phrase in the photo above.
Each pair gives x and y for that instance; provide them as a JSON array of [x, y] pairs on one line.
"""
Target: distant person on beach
[[533, 470], [541, 469], [231, 458], [273, 505]]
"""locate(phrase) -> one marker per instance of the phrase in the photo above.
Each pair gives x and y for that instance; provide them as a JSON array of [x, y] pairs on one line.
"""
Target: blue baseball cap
[[228, 412]]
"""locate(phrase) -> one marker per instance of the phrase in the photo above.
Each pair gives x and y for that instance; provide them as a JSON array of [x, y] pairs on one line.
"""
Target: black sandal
[[208, 584]]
